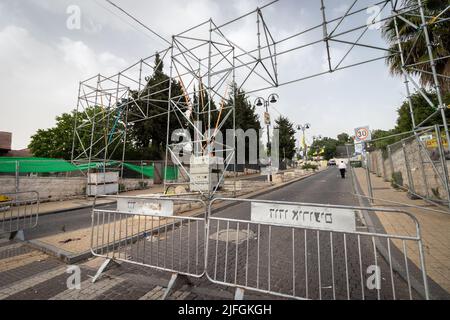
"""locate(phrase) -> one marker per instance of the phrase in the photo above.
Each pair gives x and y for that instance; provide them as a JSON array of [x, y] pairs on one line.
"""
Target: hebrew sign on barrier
[[333, 219], [149, 206]]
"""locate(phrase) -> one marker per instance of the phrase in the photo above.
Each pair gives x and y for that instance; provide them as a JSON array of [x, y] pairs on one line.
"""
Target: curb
[[71, 258], [436, 292], [73, 209]]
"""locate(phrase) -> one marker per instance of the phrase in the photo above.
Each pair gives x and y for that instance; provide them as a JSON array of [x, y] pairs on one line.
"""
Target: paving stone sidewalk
[[45, 278], [434, 225]]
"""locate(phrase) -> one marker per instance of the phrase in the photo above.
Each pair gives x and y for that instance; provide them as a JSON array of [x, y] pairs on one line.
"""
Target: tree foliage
[[286, 137], [149, 136], [56, 142], [414, 45], [344, 138], [422, 110], [327, 145]]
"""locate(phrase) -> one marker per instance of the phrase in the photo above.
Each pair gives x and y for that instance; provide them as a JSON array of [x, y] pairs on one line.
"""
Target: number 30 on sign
[[362, 134]]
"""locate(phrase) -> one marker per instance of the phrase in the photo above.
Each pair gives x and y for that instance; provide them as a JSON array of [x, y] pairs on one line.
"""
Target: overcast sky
[[42, 60]]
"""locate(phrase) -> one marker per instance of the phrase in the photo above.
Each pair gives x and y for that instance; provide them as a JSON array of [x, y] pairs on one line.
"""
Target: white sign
[[151, 207], [359, 148], [362, 134], [426, 137], [333, 219]]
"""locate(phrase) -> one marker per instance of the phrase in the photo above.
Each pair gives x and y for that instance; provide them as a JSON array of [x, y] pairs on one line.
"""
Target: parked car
[[331, 162]]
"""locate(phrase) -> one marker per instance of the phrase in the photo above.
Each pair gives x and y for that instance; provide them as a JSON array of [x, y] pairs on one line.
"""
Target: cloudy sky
[[43, 57]]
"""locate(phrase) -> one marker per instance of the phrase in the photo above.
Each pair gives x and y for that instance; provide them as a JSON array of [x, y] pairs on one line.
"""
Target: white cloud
[[39, 80], [41, 68]]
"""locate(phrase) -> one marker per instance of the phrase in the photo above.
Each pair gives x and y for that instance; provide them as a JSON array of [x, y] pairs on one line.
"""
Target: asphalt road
[[79, 219], [286, 260], [306, 263], [61, 222]]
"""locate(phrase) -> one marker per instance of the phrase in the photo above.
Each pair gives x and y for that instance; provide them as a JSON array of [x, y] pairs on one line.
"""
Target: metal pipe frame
[[209, 57]]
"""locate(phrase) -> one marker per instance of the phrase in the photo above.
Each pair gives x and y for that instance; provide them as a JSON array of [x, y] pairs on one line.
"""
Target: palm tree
[[414, 45]]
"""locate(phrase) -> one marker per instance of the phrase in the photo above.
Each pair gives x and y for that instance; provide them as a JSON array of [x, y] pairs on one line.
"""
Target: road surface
[[277, 259]]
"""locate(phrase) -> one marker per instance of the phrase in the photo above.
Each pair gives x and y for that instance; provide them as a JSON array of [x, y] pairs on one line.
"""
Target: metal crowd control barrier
[[312, 251], [19, 213], [145, 231]]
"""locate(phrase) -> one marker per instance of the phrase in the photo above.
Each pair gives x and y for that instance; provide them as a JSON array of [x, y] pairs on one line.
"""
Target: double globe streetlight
[[261, 102], [303, 128]]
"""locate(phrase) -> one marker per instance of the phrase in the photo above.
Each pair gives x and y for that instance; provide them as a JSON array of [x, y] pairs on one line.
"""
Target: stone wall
[[423, 177], [49, 188], [135, 184], [60, 188]]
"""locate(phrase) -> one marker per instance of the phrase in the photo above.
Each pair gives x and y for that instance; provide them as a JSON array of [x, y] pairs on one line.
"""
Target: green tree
[[149, 136], [245, 115], [414, 45], [56, 142], [344, 138], [325, 146], [422, 110], [383, 143], [286, 137]]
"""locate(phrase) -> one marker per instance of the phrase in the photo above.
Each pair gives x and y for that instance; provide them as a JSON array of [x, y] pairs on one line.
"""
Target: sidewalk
[[434, 226], [80, 203], [74, 204]]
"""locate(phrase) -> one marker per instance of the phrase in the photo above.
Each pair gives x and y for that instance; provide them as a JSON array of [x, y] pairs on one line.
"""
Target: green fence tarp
[[35, 165], [47, 165], [148, 171], [171, 173], [96, 165]]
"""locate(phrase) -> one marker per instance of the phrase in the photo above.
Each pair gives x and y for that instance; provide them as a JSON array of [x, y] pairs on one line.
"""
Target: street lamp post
[[316, 148], [303, 128], [261, 102]]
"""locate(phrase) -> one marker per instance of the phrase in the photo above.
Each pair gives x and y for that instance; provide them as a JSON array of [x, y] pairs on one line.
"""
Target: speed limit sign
[[362, 134]]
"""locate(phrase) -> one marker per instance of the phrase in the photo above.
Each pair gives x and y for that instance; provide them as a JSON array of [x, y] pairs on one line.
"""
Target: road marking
[[30, 282], [89, 290]]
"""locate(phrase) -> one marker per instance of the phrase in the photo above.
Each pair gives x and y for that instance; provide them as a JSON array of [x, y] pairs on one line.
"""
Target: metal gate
[[20, 212], [145, 231], [313, 251]]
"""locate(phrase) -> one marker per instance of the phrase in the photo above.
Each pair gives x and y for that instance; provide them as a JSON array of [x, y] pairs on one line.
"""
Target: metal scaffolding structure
[[209, 66]]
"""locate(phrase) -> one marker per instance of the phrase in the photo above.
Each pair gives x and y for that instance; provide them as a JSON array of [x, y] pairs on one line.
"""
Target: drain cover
[[233, 235]]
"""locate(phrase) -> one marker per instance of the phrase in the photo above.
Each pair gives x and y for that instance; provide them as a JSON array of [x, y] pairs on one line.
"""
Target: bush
[[308, 166], [143, 184], [397, 180]]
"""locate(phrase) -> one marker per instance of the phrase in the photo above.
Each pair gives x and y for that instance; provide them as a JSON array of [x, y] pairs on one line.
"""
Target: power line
[[123, 20], [139, 22]]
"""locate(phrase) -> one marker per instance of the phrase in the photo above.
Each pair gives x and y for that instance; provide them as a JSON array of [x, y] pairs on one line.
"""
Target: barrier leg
[[102, 269], [239, 294], [176, 281], [17, 235]]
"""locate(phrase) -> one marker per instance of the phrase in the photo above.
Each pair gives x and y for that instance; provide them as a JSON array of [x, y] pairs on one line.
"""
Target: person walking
[[342, 169]]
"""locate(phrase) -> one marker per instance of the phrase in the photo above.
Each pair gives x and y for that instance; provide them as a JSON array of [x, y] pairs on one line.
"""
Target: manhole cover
[[233, 235]]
